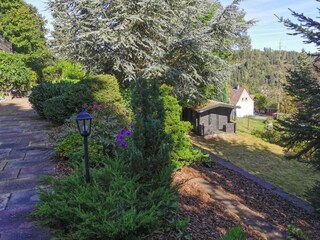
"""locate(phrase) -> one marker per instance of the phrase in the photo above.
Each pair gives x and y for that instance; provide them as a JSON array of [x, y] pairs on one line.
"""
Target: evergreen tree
[[302, 128], [168, 40], [303, 85], [148, 153]]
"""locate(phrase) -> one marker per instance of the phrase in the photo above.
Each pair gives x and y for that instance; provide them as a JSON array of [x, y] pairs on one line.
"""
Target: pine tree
[[303, 85], [303, 127]]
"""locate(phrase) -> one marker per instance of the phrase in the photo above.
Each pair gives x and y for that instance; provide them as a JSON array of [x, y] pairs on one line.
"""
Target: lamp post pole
[[86, 159], [84, 126]]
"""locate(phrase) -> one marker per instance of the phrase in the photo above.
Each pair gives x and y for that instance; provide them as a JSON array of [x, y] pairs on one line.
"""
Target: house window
[[246, 99], [242, 99], [209, 119]]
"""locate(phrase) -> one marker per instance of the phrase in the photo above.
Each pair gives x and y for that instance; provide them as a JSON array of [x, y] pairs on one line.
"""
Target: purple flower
[[128, 133], [122, 134]]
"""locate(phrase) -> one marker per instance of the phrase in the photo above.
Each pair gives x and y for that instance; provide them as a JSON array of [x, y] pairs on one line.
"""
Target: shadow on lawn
[[263, 160]]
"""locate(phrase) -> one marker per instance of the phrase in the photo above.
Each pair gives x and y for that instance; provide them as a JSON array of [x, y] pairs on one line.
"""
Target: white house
[[243, 102]]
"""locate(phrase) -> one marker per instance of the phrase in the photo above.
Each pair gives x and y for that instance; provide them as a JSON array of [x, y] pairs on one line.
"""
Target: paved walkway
[[25, 154]]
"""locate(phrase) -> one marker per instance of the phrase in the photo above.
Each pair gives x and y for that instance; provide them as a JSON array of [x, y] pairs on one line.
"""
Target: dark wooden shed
[[214, 117]]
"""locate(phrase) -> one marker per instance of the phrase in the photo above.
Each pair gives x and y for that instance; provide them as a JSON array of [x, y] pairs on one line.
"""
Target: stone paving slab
[[34, 162], [31, 233], [4, 199], [3, 164], [15, 185], [23, 199], [25, 156], [6, 175], [33, 172], [17, 218]]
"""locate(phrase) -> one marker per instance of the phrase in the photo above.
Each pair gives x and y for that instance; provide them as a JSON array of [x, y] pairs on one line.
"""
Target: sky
[[267, 32]]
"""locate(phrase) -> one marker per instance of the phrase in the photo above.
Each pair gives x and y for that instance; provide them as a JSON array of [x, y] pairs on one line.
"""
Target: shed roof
[[211, 105]]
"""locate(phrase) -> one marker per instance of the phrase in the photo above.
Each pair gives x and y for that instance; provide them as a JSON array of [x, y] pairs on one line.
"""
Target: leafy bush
[[45, 91], [295, 233], [182, 153], [73, 94], [107, 121], [63, 70], [71, 148], [113, 206], [55, 110], [14, 74], [128, 198], [235, 233], [105, 89]]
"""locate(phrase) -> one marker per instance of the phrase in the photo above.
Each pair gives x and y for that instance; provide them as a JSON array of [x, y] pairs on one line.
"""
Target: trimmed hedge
[[45, 91], [58, 101]]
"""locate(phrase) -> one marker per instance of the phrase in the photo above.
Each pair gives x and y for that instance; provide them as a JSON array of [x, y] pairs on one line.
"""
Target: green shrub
[[105, 89], [148, 151], [235, 233], [73, 94], [107, 121], [14, 74], [182, 153], [60, 108], [45, 91], [295, 233], [63, 69], [71, 148], [76, 97], [113, 206], [55, 110]]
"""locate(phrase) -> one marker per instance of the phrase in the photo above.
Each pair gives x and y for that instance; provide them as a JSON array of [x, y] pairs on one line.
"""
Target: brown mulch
[[209, 219]]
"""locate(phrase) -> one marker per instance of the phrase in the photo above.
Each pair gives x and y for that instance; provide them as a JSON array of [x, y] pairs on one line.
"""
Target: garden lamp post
[[84, 120]]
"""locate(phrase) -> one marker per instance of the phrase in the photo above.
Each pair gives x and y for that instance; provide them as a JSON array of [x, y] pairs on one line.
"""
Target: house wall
[[211, 121], [215, 120], [246, 105]]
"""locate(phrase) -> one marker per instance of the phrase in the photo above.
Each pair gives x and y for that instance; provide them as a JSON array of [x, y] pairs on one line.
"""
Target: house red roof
[[236, 94]]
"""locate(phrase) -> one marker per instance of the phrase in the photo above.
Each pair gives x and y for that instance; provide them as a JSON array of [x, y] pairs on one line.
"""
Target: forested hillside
[[262, 70]]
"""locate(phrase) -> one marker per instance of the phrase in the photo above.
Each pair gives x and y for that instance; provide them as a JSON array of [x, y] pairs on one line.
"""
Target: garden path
[[25, 153]]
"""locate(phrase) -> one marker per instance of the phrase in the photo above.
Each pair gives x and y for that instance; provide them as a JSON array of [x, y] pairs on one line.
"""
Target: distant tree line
[[257, 69]]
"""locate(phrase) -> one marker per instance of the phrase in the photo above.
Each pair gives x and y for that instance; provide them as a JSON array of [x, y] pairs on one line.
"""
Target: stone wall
[[5, 45]]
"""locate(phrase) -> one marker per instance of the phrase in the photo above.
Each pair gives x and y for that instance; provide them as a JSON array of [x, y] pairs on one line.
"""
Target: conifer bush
[[182, 152], [148, 151], [114, 206]]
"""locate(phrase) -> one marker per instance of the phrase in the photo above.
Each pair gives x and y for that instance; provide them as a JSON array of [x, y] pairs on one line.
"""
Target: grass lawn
[[261, 158]]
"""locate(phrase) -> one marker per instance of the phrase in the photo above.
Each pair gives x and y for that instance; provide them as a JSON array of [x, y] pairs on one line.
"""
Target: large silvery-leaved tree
[[168, 40]]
